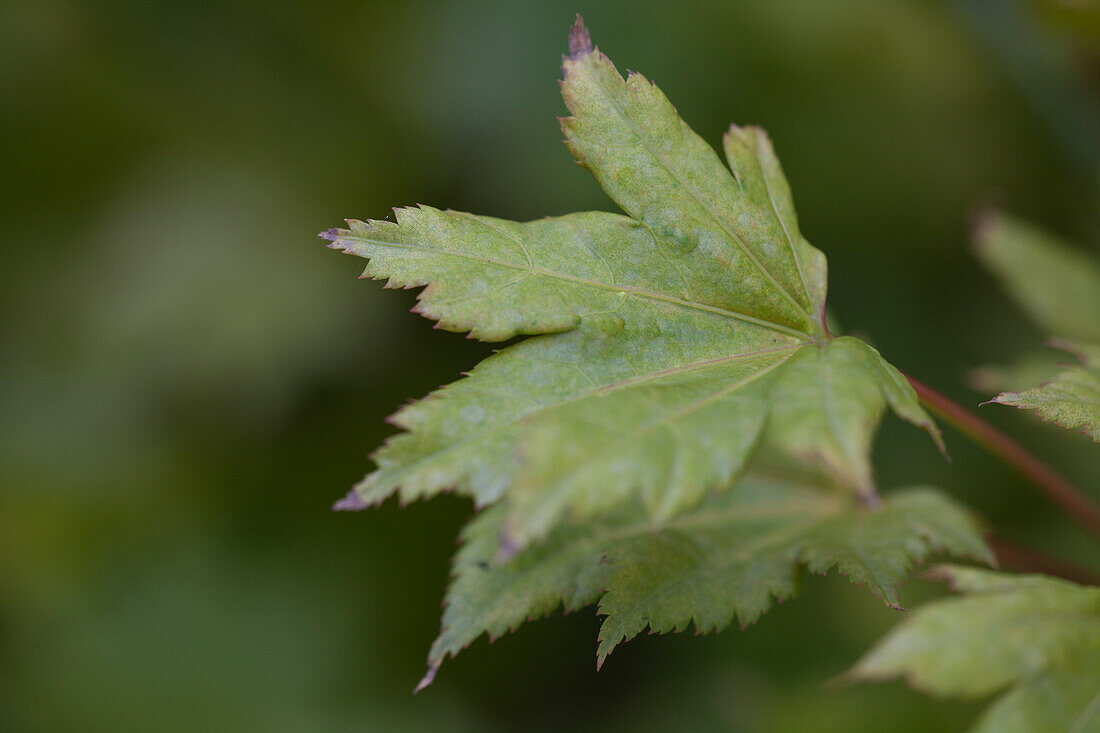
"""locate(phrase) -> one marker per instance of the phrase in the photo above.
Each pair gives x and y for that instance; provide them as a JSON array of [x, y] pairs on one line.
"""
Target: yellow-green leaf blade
[[497, 278], [467, 435], [767, 517], [672, 438], [664, 175], [670, 344], [707, 573]]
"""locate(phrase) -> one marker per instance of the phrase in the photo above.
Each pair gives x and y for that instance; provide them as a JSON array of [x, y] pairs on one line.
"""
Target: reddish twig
[[1071, 499], [1023, 559]]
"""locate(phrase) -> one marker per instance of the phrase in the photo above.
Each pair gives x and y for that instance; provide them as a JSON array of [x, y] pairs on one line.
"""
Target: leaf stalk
[[1058, 489], [1022, 559]]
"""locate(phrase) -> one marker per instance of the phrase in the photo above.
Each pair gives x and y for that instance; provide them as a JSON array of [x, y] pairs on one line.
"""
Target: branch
[[1022, 559], [1057, 488]]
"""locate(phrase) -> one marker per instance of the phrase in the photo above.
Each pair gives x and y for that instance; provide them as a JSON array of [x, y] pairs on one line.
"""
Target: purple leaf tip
[[330, 234], [580, 42], [426, 679], [350, 503]]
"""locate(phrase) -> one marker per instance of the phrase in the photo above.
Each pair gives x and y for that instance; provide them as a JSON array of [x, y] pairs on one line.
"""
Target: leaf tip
[[580, 41], [939, 574], [350, 503], [427, 679]]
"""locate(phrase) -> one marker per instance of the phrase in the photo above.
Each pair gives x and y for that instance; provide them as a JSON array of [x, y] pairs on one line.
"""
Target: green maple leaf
[[1034, 636], [670, 344], [729, 558], [670, 348], [1059, 287]]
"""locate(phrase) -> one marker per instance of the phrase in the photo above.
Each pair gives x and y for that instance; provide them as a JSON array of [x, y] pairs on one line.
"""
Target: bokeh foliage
[[188, 378]]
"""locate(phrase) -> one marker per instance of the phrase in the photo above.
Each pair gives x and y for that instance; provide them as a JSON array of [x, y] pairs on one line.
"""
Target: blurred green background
[[188, 378]]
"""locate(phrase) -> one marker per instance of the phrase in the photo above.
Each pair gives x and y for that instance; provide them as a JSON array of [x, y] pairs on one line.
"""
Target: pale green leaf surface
[[672, 438], [1037, 636], [663, 174], [1071, 399], [669, 344], [1056, 284], [729, 557]]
